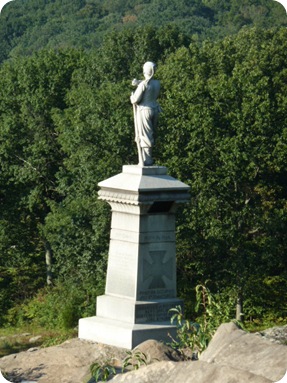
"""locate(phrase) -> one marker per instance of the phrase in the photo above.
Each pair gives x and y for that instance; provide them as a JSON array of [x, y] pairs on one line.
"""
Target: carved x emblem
[[156, 267]]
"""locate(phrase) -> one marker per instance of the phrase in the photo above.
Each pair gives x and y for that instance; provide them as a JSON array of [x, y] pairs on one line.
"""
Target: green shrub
[[214, 309], [102, 370], [134, 359], [59, 306]]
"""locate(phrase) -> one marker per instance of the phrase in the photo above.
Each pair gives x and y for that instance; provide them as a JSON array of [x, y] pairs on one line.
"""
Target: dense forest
[[66, 124], [29, 25]]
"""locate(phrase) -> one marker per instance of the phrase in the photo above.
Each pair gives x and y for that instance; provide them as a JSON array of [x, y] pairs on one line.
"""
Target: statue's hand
[[136, 82]]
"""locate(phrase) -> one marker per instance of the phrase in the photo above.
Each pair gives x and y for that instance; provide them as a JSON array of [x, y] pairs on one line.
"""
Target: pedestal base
[[121, 334], [141, 274]]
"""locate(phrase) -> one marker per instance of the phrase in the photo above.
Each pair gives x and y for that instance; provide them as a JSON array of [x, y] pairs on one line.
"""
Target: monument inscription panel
[[158, 312], [122, 269]]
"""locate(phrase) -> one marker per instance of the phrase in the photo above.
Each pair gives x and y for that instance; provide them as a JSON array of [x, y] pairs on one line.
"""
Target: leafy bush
[[134, 360], [213, 311], [58, 307], [102, 370]]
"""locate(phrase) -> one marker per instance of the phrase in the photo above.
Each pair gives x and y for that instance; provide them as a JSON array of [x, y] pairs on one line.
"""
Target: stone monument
[[141, 275]]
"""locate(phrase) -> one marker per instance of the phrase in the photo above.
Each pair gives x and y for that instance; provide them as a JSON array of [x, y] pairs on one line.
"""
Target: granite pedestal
[[141, 276]]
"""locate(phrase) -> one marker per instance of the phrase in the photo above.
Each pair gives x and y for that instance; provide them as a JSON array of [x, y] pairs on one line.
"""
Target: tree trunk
[[239, 309], [49, 258]]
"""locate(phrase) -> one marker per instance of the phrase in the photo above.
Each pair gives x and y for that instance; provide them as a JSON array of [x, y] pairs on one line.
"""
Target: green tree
[[96, 138], [66, 124], [224, 133], [33, 25], [29, 160]]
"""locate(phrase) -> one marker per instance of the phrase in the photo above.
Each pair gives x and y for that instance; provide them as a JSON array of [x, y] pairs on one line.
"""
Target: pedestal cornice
[[138, 185]]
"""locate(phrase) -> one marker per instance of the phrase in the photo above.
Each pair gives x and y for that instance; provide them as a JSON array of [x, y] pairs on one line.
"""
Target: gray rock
[[33, 349], [233, 356], [276, 334], [35, 339], [238, 349], [158, 351], [188, 372], [67, 363]]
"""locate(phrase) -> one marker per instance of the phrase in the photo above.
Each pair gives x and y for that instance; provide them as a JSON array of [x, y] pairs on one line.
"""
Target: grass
[[258, 325], [13, 340]]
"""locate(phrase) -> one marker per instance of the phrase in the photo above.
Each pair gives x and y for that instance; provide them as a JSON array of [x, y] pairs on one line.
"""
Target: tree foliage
[[29, 160], [225, 134], [28, 26], [66, 123]]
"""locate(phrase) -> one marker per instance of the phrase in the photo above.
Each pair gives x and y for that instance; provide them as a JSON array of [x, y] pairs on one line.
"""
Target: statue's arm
[[137, 95]]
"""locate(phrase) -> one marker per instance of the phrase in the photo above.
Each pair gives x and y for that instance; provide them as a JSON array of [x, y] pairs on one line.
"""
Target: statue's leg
[[146, 136], [147, 156]]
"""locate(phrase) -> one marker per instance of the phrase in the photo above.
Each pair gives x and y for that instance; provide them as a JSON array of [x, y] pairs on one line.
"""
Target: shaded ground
[[11, 343]]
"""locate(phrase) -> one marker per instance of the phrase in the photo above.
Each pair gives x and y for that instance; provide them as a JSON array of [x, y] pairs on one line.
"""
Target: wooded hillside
[[66, 123], [29, 25]]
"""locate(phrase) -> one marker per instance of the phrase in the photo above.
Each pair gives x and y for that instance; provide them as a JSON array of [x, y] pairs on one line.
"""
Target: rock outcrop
[[233, 356], [188, 372], [236, 348], [66, 363]]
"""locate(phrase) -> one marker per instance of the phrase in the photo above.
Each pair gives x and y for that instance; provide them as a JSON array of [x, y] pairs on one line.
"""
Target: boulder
[[66, 363], [238, 349], [233, 356], [157, 351], [188, 372], [276, 334]]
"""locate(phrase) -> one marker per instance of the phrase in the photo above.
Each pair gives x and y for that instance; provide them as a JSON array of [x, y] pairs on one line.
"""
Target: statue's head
[[149, 69]]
